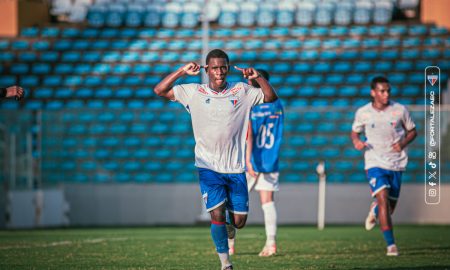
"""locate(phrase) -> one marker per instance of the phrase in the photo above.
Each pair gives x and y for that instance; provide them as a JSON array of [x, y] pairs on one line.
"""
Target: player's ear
[[372, 93]]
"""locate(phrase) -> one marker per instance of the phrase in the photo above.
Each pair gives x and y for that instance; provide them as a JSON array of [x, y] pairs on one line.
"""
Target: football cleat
[[268, 251], [371, 219], [229, 267], [392, 250]]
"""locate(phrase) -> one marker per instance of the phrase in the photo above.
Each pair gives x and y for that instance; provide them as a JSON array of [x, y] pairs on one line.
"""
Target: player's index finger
[[238, 68]]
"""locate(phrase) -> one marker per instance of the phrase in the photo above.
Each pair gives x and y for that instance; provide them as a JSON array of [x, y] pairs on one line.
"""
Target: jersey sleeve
[[408, 123], [358, 125], [255, 94], [183, 93]]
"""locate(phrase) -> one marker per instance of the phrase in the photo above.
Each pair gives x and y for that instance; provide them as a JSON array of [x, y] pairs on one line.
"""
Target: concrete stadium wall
[[134, 204], [181, 204]]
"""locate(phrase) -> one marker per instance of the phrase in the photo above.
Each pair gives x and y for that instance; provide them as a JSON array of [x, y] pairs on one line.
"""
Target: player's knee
[[240, 222]]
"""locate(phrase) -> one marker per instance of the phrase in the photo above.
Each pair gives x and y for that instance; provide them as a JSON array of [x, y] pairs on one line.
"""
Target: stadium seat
[[229, 14], [324, 13], [382, 13], [305, 14], [363, 12], [247, 14], [286, 13], [343, 13], [266, 14]]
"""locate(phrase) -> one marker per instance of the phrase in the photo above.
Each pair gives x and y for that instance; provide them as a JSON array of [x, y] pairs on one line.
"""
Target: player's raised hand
[[192, 68], [15, 91], [249, 73]]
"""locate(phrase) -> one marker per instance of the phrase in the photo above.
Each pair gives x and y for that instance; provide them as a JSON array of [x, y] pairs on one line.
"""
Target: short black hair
[[378, 79], [217, 53]]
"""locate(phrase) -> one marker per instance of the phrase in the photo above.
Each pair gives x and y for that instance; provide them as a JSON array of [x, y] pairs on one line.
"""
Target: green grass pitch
[[300, 247]]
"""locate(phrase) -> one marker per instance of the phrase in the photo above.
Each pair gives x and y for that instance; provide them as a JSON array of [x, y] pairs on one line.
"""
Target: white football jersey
[[382, 129], [220, 123]]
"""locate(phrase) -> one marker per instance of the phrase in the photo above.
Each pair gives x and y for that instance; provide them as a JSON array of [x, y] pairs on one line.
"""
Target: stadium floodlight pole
[[320, 169], [29, 160], [205, 37]]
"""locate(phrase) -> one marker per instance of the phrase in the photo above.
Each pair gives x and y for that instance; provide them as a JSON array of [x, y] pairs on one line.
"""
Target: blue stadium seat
[[152, 17], [134, 16], [29, 81], [324, 13], [383, 11], [418, 30], [52, 80], [42, 92], [363, 12], [266, 14], [247, 14], [28, 57], [229, 14], [63, 69], [19, 68], [343, 13], [7, 80], [286, 14], [84, 93], [369, 54], [62, 45], [305, 13], [18, 45], [103, 93], [63, 92]]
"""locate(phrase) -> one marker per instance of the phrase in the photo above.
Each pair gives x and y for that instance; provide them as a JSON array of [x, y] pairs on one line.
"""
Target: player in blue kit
[[263, 147], [220, 114], [389, 129]]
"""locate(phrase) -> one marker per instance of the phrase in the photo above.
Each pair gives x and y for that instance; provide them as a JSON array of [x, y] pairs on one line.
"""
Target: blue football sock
[[220, 236], [389, 237]]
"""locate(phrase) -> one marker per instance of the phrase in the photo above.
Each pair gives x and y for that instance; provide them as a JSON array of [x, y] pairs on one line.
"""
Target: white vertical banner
[[432, 135]]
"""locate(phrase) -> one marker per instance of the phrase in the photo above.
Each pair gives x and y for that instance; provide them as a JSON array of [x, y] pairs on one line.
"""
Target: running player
[[389, 129], [263, 146], [220, 115]]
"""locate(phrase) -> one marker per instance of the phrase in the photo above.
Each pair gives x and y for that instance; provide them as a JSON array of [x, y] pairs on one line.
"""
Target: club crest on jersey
[[373, 181], [432, 79], [234, 101]]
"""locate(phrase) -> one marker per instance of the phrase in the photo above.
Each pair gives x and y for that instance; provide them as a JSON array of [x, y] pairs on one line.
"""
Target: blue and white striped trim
[[215, 206]]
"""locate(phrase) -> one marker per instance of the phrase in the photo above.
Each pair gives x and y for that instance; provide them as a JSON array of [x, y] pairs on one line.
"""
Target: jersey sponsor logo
[[208, 100], [373, 181], [432, 79]]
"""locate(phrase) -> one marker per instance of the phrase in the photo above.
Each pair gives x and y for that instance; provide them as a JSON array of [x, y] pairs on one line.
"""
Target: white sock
[[224, 259], [270, 220], [230, 242]]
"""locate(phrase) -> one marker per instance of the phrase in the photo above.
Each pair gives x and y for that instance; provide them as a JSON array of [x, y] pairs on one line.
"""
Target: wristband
[[3, 92]]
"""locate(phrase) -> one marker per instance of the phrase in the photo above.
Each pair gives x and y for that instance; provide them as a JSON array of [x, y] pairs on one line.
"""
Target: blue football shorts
[[380, 179], [219, 188]]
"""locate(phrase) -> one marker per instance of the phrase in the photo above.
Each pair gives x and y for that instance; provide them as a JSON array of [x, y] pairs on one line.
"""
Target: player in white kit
[[220, 114], [389, 129]]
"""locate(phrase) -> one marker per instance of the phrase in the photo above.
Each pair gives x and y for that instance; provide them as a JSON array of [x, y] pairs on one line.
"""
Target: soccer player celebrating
[[263, 145], [388, 128], [220, 115], [12, 91]]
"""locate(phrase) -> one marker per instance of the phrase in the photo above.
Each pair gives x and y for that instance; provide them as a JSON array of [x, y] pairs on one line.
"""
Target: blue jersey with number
[[267, 128]]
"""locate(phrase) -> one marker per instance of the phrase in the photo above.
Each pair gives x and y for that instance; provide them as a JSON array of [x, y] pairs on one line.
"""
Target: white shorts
[[266, 181]]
